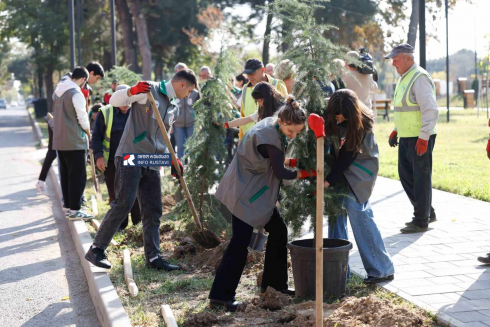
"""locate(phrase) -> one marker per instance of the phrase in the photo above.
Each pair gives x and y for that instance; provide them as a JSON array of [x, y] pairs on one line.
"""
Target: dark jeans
[[110, 176], [48, 160], [131, 183], [235, 256], [416, 177], [73, 177]]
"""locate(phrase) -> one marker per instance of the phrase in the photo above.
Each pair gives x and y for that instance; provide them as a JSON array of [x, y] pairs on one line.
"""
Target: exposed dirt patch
[[168, 203]]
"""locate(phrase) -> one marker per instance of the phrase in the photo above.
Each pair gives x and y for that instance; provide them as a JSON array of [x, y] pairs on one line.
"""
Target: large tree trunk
[[158, 69], [414, 22], [267, 34], [143, 41], [49, 86], [126, 21]]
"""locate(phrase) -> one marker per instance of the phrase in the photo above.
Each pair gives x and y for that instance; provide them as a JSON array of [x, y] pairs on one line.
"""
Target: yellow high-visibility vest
[[408, 117]]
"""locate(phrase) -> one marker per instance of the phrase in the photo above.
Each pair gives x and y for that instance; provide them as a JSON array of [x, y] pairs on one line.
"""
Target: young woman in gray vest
[[70, 129], [351, 124], [269, 101], [249, 189], [141, 135]]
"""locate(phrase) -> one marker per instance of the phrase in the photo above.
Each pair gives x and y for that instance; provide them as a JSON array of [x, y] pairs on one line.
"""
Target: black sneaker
[[97, 257], [370, 280], [230, 306], [412, 228], [161, 264], [485, 260], [431, 220]]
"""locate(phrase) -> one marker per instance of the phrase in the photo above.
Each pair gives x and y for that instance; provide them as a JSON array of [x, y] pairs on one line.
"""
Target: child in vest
[[249, 189], [356, 164]]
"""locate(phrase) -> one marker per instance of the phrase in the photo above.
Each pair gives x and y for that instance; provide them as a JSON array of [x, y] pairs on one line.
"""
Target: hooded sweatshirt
[[70, 117]]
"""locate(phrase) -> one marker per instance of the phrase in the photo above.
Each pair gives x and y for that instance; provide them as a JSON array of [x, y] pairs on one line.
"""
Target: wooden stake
[[319, 230], [96, 225], [128, 273], [92, 165], [168, 316], [95, 209]]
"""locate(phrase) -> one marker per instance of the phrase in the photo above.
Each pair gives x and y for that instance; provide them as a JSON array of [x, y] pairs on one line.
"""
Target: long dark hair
[[273, 100], [359, 118]]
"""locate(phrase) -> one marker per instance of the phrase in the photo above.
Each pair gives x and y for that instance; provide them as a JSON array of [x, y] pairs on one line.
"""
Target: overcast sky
[[467, 23]]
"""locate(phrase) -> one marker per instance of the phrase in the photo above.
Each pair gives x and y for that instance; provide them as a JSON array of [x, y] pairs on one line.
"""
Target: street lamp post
[[79, 42], [422, 33], [447, 60], [113, 33], [71, 14]]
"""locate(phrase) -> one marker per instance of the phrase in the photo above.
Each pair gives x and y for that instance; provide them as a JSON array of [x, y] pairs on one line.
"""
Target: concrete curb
[[107, 304], [37, 130]]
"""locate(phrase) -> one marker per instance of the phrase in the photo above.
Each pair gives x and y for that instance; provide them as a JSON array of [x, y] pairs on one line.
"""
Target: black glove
[[173, 171]]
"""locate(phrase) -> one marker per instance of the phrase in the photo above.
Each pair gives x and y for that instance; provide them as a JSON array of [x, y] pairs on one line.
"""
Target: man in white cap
[[416, 115]]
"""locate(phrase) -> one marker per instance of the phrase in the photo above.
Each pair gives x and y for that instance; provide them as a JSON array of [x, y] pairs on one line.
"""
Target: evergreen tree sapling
[[312, 54], [206, 146], [122, 74]]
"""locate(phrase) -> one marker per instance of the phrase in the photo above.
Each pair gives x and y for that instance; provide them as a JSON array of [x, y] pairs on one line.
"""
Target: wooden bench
[[384, 108]]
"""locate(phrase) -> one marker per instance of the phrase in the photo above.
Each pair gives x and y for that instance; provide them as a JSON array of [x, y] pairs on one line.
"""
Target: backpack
[[367, 67]]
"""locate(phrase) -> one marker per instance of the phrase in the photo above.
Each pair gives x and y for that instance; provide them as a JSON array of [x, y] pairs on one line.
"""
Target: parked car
[[3, 104], [30, 100], [14, 104]]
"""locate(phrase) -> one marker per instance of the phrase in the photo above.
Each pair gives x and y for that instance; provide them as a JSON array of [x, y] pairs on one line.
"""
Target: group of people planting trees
[[269, 182]]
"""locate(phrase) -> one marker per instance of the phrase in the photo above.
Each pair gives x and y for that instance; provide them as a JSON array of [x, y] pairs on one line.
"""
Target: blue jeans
[[181, 136], [376, 260]]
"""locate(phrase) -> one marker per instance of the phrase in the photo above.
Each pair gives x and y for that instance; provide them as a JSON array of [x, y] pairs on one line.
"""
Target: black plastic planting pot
[[335, 261]]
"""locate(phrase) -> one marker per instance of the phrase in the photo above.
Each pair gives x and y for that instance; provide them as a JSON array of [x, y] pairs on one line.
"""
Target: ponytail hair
[[292, 112]]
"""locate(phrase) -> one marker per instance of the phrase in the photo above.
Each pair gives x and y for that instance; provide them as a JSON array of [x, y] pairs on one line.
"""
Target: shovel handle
[[174, 160], [92, 164]]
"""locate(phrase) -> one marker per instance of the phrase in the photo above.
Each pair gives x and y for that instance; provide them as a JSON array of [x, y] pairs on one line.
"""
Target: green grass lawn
[[460, 163]]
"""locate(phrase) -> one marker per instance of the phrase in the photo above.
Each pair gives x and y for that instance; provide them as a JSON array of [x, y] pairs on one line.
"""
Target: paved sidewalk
[[437, 269], [39, 265]]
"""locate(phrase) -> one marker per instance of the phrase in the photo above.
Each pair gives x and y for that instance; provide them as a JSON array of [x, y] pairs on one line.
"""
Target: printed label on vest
[[147, 159]]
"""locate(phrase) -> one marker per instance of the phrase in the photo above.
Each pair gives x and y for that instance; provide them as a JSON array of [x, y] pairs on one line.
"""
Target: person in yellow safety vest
[[106, 136], [255, 72], [416, 115]]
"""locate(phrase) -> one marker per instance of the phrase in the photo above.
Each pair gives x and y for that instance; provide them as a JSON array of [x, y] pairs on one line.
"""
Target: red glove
[[488, 149], [226, 126], [421, 146], [86, 93], [306, 173], [317, 124], [393, 140], [293, 162], [140, 87], [173, 171]]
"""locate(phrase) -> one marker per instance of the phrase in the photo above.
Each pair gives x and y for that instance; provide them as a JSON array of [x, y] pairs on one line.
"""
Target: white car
[[14, 104]]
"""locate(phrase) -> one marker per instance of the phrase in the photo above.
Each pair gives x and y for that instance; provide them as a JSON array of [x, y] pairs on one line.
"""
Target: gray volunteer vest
[[68, 135], [363, 172], [142, 133], [249, 188], [184, 112]]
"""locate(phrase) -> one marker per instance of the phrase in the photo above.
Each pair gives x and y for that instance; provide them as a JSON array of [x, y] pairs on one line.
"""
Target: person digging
[[141, 135], [250, 189]]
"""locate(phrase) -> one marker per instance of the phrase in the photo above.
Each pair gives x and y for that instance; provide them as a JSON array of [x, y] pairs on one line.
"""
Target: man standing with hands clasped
[[416, 115]]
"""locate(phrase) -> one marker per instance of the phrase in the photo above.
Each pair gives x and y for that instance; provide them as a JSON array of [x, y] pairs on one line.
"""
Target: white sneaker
[[41, 187], [79, 215], [67, 212]]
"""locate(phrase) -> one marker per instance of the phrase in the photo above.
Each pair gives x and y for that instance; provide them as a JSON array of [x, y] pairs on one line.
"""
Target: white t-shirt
[[255, 116]]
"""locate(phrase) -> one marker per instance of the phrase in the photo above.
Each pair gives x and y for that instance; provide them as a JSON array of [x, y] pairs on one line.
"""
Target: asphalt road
[[41, 280]]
